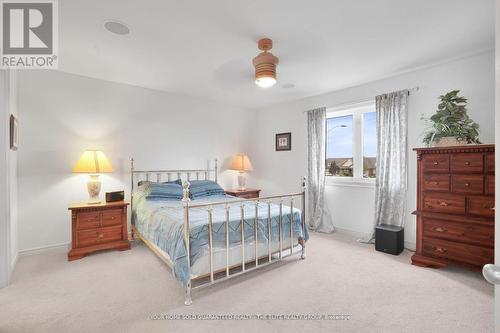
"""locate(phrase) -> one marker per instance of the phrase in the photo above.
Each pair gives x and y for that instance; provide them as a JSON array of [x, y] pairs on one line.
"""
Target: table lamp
[[93, 162], [241, 163]]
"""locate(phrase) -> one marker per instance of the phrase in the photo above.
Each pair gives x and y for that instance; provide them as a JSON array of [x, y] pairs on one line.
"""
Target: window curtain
[[316, 143], [391, 181]]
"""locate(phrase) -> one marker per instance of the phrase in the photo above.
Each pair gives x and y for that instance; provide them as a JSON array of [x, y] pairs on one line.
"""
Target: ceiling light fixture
[[265, 64], [117, 28]]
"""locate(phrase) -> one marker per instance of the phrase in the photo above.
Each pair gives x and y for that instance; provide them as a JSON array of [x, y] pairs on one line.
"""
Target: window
[[369, 144], [351, 142], [339, 157]]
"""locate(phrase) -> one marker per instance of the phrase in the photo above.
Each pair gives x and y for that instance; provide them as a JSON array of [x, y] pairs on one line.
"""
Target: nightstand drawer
[[86, 238], [88, 220], [96, 236], [111, 217], [109, 234], [249, 196]]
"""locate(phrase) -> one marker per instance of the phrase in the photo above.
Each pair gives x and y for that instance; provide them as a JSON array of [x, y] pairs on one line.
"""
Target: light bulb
[[265, 82]]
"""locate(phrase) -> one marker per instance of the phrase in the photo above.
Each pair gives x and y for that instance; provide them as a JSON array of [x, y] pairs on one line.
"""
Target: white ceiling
[[204, 48]]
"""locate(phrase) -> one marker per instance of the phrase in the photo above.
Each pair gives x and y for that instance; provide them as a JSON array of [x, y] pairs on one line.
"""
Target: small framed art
[[14, 135], [284, 141]]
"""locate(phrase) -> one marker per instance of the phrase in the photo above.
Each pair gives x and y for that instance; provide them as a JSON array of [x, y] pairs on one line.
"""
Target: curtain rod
[[358, 101]]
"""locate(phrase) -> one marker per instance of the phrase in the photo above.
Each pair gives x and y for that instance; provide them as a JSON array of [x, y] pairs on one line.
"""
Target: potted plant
[[451, 125]]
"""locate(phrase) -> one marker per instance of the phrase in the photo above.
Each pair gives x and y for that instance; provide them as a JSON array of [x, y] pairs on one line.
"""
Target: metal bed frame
[[270, 258]]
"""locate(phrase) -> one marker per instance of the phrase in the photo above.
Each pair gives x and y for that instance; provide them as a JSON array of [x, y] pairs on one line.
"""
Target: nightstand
[[249, 193], [97, 227]]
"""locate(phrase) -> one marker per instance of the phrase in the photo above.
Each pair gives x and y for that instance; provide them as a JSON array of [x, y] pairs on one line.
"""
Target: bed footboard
[[285, 250]]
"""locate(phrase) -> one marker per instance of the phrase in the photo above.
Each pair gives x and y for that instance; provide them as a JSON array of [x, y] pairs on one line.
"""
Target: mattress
[[161, 223]]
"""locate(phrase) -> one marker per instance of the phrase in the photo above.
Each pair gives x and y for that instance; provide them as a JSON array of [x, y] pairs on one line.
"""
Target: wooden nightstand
[[249, 193], [97, 227]]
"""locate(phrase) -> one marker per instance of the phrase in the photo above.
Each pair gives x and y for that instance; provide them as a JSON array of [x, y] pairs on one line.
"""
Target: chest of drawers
[[455, 206], [98, 227]]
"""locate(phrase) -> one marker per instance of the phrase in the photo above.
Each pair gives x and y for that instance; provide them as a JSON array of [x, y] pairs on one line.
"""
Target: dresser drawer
[[469, 184], [437, 182], [87, 220], [461, 232], [490, 184], [436, 163], [467, 163], [489, 163], [482, 206], [470, 254], [111, 217], [444, 203]]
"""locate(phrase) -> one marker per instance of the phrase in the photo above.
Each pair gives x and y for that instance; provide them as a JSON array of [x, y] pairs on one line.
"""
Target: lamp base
[[242, 181], [94, 187]]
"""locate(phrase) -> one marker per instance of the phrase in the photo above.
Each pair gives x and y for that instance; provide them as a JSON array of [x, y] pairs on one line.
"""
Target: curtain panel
[[392, 158], [316, 143]]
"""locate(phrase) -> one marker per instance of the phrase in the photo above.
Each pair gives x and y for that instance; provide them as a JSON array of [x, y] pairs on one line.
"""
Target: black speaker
[[389, 239], [115, 196]]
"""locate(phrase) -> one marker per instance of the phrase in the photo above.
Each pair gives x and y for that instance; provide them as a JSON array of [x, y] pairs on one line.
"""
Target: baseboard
[[42, 249], [13, 263], [361, 235], [410, 246], [351, 233]]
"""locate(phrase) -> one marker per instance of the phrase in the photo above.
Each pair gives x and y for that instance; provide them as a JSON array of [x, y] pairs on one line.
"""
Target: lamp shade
[[93, 161], [241, 162]]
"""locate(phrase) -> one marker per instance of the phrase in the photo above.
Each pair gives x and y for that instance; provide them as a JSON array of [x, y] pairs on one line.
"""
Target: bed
[[209, 239]]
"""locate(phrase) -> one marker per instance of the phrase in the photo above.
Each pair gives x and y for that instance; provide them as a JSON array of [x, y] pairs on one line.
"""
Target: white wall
[[62, 114], [353, 208]]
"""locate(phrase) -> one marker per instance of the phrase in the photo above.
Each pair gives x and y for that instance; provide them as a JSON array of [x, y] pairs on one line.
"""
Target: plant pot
[[449, 141]]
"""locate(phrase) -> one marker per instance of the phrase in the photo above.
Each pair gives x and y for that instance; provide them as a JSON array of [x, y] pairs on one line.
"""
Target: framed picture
[[284, 141], [14, 135]]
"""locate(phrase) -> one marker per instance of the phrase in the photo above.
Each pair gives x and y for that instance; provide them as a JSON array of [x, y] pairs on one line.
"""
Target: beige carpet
[[120, 291]]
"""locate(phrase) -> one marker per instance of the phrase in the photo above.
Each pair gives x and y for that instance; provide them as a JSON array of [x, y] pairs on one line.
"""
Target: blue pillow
[[204, 188], [164, 191]]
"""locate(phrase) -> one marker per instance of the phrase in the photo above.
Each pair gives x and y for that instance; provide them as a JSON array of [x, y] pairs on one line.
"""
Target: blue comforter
[[161, 222]]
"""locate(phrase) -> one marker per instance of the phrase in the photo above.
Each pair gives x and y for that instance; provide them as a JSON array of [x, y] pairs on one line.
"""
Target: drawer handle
[[100, 236], [444, 204], [436, 162], [113, 217], [467, 163], [439, 249], [439, 229], [467, 184], [436, 183]]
